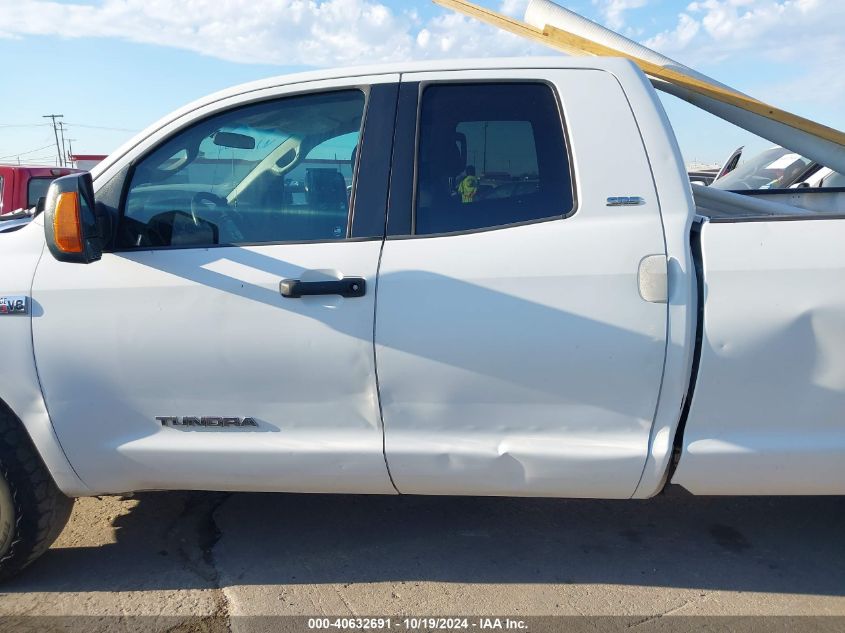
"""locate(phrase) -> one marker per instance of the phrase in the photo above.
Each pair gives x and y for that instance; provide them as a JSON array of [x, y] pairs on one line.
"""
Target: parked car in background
[[706, 176], [778, 168], [775, 168], [22, 186]]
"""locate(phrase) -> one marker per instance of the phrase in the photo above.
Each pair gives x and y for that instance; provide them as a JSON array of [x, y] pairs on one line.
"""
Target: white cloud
[[678, 38], [769, 35], [514, 8], [613, 11], [781, 30], [285, 32]]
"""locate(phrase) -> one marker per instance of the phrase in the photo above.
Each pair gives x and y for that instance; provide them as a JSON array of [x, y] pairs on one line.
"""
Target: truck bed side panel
[[768, 414]]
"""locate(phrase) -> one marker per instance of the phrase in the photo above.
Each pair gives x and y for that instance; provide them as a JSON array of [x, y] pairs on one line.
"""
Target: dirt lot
[[206, 561]]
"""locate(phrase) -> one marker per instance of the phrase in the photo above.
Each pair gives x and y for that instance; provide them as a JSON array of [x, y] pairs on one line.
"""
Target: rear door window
[[490, 155]]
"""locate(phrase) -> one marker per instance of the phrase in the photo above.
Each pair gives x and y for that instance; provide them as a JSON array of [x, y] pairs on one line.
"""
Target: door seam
[[375, 293]]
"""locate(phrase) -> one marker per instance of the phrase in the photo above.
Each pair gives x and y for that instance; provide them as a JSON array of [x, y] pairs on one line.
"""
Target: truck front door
[[221, 344], [516, 355]]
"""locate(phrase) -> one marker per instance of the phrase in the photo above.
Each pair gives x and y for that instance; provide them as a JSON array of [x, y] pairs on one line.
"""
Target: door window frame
[[402, 207], [371, 172]]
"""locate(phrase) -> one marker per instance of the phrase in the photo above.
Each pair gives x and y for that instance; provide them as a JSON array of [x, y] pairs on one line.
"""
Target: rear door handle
[[346, 287]]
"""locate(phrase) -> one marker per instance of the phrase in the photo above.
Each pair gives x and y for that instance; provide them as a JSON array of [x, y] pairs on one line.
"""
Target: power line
[[102, 127], [89, 127], [7, 125], [32, 151]]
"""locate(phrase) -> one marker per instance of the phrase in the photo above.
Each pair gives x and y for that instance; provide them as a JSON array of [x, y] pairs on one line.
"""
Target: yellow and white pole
[[564, 30]]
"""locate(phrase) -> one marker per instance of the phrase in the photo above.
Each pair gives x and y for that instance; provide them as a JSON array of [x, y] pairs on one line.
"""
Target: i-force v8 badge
[[13, 305]]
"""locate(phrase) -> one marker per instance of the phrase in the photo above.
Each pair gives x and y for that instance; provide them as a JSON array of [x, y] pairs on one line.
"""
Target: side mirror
[[70, 224]]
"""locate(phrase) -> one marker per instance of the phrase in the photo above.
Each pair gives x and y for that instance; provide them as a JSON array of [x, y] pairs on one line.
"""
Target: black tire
[[33, 510]]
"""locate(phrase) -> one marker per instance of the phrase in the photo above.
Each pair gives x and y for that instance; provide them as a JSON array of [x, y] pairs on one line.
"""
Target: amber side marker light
[[66, 226]]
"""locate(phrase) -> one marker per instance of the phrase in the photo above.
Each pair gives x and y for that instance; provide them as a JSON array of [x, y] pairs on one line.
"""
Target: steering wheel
[[229, 219]]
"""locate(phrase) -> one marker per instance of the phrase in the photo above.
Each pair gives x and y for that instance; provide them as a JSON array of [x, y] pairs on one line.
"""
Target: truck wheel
[[33, 510]]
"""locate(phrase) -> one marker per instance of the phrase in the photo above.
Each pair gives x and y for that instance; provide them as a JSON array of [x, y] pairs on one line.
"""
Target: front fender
[[20, 389]]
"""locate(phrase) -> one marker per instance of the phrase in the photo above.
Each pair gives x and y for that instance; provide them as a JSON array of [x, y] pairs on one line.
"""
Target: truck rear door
[[515, 352]]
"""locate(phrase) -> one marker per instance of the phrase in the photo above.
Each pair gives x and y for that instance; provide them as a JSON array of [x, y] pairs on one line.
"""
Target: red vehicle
[[21, 186]]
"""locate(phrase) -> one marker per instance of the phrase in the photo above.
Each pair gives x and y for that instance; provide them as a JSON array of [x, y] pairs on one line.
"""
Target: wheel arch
[[35, 423]]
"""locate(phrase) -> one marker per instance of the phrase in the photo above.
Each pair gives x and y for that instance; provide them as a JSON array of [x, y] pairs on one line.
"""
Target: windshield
[[212, 162], [776, 168]]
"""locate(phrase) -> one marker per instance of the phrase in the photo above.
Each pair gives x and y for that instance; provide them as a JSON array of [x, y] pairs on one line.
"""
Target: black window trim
[[368, 217], [412, 199], [123, 179]]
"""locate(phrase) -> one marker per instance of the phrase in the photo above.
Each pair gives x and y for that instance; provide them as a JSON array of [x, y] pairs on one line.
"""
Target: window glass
[[490, 155], [1, 193], [37, 188], [271, 172], [833, 180], [776, 168]]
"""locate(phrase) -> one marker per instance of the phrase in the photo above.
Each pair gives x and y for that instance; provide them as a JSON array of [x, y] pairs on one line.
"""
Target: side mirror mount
[[70, 222]]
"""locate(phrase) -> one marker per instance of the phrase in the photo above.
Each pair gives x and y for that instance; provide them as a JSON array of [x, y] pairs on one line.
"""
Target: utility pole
[[56, 134], [64, 150], [70, 151]]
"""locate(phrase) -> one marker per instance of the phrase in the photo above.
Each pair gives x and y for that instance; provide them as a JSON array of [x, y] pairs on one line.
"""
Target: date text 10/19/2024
[[419, 624]]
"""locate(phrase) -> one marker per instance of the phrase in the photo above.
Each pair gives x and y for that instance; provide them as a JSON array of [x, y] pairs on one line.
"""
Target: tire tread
[[41, 510]]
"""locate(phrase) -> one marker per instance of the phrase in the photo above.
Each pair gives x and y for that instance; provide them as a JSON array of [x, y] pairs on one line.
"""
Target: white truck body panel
[[8, 226], [768, 413], [475, 403], [159, 330], [206, 332], [20, 252], [516, 361]]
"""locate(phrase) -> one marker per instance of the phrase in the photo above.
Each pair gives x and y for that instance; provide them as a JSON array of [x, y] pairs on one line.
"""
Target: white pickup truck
[[450, 278]]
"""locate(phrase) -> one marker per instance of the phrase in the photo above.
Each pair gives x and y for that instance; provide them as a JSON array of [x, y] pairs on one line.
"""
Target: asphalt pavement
[[220, 561]]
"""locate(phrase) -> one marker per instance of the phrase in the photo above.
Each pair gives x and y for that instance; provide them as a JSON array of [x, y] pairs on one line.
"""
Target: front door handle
[[346, 287]]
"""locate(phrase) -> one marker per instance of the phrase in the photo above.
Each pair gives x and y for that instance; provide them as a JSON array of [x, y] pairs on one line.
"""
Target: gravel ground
[[209, 561]]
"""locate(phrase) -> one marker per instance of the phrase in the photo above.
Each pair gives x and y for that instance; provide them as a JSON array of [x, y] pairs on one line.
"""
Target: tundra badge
[[13, 305], [205, 421]]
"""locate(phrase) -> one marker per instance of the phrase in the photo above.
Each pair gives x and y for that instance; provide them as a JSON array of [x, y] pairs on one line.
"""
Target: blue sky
[[121, 64]]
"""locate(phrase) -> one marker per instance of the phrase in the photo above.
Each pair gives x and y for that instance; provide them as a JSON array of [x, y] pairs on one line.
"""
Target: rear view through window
[[37, 188], [490, 155]]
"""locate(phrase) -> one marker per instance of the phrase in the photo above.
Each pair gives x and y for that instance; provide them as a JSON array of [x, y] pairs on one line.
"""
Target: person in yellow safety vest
[[468, 187]]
